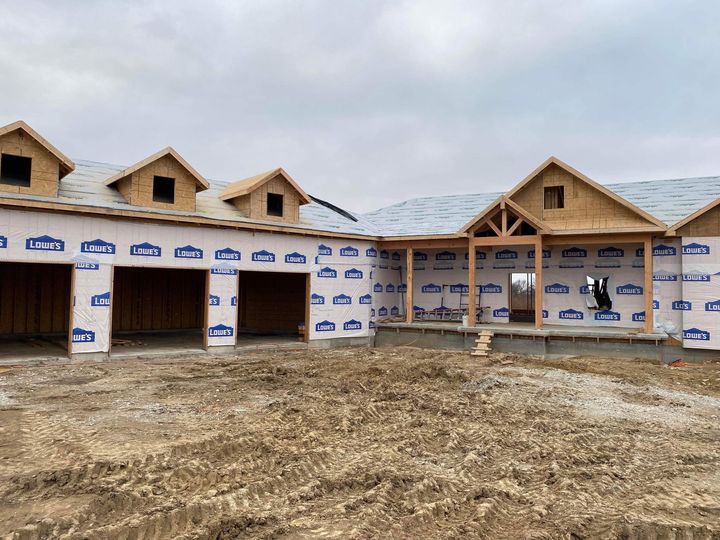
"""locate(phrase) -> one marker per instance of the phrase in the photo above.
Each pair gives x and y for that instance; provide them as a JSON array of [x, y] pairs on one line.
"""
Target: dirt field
[[360, 443]]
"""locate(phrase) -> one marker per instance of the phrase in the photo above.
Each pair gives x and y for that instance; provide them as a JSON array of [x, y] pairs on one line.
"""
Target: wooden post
[[409, 312], [538, 283], [472, 311], [648, 260]]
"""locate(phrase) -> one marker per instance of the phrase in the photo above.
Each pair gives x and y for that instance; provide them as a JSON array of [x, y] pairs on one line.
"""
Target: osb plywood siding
[[708, 224], [158, 299], [271, 301], [34, 298], [138, 189], [45, 168], [585, 206], [254, 205]]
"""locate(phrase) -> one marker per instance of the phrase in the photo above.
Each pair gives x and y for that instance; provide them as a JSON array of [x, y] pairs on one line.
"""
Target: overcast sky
[[369, 103]]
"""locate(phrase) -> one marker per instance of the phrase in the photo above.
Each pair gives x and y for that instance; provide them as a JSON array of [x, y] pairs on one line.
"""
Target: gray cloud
[[369, 103]]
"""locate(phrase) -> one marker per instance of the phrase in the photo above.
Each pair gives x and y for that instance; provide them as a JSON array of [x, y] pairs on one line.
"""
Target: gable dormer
[[28, 163], [164, 181], [568, 201], [270, 196]]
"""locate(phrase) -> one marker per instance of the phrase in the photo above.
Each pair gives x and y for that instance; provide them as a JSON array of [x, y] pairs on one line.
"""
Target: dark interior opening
[[522, 297], [271, 303], [554, 197], [35, 301], [163, 189], [274, 204], [15, 170], [167, 302]]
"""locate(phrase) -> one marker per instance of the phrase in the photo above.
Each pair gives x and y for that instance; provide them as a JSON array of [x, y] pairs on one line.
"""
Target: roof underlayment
[[668, 200]]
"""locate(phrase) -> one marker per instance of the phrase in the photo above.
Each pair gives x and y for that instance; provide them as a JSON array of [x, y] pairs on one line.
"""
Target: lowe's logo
[[584, 289], [656, 304], [342, 299], [501, 312], [352, 324], [188, 252], [227, 254], [220, 330], [324, 250], [371, 252], [545, 314], [664, 275], [506, 254], [384, 254], [557, 288], [445, 256], [295, 258], [233, 300], [317, 299], [571, 314], [263, 256], [491, 288], [224, 271], [419, 256], [607, 315], [45, 243], [378, 287], [638, 317], [459, 288], [629, 288], [431, 288], [327, 272], [353, 273], [574, 252], [80, 335], [712, 306], [696, 275], [349, 251], [395, 256], [366, 299], [325, 326], [87, 266], [697, 334], [146, 249], [546, 254], [214, 300], [661, 250], [3, 241], [611, 252], [402, 287], [394, 310], [390, 287], [100, 300], [696, 249], [97, 246], [382, 312], [682, 305]]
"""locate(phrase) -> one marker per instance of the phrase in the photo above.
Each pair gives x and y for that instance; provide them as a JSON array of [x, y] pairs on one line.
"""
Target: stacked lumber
[[482, 343]]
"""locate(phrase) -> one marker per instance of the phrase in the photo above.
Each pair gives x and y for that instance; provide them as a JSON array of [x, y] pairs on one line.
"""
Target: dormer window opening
[[164, 189]]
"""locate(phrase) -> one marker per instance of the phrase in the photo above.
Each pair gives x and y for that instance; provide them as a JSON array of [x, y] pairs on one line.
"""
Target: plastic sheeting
[[340, 270], [700, 302]]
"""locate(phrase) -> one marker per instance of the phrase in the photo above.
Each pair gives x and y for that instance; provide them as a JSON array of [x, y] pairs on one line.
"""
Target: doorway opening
[[522, 297]]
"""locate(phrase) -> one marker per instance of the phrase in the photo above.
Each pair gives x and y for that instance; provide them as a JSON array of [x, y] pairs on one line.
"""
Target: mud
[[360, 444]]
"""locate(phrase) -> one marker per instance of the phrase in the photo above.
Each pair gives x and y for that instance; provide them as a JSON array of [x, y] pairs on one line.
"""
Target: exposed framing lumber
[[472, 261], [308, 293], [246, 186], [409, 311], [618, 238], [648, 273], [504, 204], [538, 283], [66, 164], [515, 226], [201, 183], [423, 243], [481, 241]]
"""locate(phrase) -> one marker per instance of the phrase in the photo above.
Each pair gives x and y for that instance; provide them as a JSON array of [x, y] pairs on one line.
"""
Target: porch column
[[409, 312], [472, 312], [648, 288], [538, 283]]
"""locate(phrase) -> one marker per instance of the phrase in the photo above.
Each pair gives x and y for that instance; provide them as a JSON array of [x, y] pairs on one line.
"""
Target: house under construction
[[93, 255]]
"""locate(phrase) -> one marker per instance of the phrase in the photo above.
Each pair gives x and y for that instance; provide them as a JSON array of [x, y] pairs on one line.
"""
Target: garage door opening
[[35, 301], [272, 307], [158, 310]]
